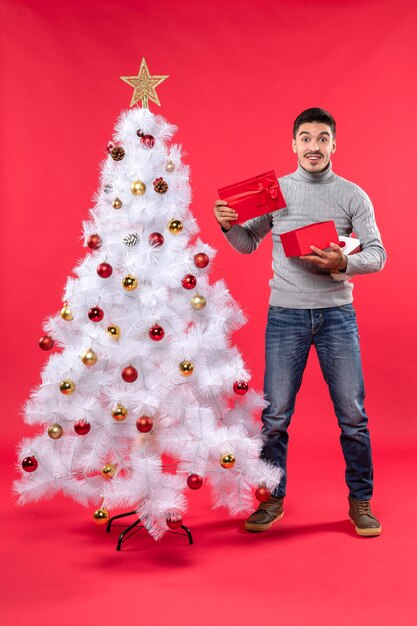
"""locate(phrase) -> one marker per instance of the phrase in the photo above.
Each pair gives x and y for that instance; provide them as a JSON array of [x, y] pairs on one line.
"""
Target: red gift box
[[297, 242], [254, 196]]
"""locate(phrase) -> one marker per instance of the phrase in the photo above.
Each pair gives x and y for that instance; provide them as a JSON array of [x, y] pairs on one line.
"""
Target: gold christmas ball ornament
[[175, 227], [66, 313], [113, 331], [170, 166], [55, 431], [198, 302], [227, 460], [67, 387], [119, 413], [186, 368], [108, 471], [130, 283], [89, 357], [101, 516], [138, 188], [117, 203]]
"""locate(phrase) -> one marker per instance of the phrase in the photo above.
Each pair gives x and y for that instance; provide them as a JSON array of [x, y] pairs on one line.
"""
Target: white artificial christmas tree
[[145, 366]]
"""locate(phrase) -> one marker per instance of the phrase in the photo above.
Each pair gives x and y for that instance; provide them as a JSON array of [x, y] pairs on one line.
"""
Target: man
[[308, 307]]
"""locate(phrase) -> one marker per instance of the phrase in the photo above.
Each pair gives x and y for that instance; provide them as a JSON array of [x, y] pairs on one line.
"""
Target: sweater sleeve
[[246, 237], [372, 256]]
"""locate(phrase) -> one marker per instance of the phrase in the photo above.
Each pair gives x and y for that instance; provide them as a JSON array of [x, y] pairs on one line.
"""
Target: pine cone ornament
[[117, 153], [160, 185], [131, 240]]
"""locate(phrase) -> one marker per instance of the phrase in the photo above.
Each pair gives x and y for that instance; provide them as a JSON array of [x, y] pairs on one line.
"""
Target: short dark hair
[[315, 114]]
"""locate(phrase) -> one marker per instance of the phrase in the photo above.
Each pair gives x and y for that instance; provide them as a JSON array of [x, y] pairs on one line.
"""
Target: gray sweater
[[314, 198]]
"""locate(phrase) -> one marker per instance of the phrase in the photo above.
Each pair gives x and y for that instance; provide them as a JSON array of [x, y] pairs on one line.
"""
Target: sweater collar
[[316, 177]]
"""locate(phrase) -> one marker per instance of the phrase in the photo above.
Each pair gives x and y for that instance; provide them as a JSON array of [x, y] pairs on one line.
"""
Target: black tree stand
[[133, 529]]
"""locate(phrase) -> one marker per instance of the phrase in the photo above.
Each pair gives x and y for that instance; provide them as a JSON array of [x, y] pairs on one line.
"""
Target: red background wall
[[240, 72]]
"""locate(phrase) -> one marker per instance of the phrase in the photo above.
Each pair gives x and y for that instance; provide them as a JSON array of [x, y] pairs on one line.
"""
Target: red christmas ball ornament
[[240, 387], [262, 494], [156, 239], [94, 242], [174, 521], [144, 424], [194, 481], [82, 427], [29, 464], [148, 141], [189, 281], [46, 342], [104, 270], [201, 260], [96, 314], [129, 374], [156, 333]]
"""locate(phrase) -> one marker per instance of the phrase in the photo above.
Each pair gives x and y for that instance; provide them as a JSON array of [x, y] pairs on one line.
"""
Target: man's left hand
[[332, 261]]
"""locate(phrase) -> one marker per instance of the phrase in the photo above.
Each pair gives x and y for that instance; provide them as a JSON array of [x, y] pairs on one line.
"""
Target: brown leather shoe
[[361, 515], [265, 515]]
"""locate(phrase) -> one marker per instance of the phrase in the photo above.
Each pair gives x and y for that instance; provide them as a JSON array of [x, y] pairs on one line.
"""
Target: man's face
[[313, 145]]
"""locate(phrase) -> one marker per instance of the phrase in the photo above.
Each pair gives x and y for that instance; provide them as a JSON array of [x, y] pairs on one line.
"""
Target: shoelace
[[362, 506], [265, 506]]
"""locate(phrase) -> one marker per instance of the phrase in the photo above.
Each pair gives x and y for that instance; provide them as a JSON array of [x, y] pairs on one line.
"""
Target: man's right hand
[[224, 214]]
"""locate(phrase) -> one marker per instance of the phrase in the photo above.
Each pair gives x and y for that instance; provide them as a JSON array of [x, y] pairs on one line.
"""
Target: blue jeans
[[334, 333]]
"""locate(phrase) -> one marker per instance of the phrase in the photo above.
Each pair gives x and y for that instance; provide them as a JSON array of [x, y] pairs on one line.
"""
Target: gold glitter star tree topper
[[144, 86]]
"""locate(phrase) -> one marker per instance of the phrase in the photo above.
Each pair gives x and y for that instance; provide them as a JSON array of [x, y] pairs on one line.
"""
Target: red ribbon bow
[[263, 194]]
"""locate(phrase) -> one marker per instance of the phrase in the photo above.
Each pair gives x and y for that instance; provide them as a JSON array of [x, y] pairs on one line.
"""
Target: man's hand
[[332, 261], [224, 214]]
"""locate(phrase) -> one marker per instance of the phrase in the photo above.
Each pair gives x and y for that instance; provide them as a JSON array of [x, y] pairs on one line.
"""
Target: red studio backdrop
[[240, 72]]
